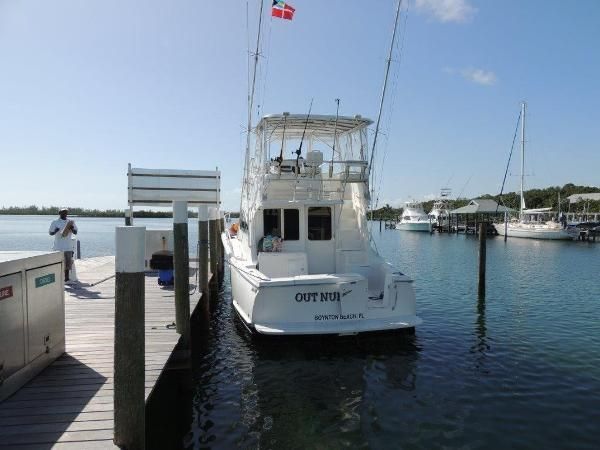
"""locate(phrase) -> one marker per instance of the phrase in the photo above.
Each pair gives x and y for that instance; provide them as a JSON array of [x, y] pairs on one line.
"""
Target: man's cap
[[63, 208]]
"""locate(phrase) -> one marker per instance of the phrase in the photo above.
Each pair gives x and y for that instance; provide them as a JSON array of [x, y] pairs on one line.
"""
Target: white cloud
[[479, 76], [447, 10]]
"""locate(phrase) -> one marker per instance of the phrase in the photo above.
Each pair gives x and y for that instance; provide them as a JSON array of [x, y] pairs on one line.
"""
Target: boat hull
[[537, 233], [321, 304], [416, 226]]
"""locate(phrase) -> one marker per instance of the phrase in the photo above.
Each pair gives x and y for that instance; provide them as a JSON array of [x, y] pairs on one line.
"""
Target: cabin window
[[319, 223], [272, 222], [291, 220]]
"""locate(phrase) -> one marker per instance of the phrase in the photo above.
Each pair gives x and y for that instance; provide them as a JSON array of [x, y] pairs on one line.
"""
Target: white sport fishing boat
[[301, 261], [414, 218], [534, 223], [440, 211]]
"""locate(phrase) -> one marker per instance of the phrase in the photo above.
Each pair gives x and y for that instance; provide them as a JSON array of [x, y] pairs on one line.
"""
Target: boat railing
[[347, 171]]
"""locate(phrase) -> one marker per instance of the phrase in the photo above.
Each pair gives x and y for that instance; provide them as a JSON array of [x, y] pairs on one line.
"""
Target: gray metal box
[[32, 316], [45, 309], [12, 327]]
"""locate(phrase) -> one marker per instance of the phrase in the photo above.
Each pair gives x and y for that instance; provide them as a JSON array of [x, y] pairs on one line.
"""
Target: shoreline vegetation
[[534, 198], [33, 210]]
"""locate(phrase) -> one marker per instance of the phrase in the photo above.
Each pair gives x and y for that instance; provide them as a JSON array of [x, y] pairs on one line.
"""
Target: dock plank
[[70, 404]]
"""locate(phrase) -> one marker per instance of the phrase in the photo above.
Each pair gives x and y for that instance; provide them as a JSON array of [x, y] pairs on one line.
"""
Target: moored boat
[[414, 218], [534, 223], [301, 261]]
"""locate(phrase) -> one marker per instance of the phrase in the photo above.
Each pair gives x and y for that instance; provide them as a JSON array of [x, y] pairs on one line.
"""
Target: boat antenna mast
[[251, 94], [299, 151], [383, 90], [337, 115]]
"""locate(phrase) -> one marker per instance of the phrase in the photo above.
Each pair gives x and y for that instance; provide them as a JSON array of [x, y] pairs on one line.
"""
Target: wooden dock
[[70, 404]]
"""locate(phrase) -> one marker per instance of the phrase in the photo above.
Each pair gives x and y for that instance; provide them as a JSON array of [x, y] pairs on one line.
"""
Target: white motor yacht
[[414, 218], [302, 261]]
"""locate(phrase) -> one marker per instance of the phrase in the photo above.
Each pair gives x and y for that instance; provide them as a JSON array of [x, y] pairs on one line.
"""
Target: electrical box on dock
[[32, 316]]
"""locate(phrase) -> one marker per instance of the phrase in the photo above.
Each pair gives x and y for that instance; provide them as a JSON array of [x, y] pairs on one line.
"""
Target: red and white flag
[[282, 10]]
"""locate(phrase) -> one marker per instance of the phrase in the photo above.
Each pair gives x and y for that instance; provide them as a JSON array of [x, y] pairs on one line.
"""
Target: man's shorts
[[68, 260]]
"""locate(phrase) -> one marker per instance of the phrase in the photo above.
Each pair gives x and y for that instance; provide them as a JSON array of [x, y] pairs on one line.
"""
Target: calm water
[[520, 369], [97, 235]]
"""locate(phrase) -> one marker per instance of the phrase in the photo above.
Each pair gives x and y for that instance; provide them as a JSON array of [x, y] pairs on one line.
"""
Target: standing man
[[63, 230]]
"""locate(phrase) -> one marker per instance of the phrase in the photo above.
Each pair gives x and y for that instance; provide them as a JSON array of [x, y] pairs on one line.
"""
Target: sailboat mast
[[522, 159], [385, 80], [251, 91]]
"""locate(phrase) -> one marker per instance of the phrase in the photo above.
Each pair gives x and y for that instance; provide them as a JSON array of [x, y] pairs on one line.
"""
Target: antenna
[[337, 115], [299, 151], [251, 93], [385, 80]]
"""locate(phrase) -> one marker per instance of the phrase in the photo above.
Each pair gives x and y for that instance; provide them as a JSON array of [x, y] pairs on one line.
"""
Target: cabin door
[[320, 246]]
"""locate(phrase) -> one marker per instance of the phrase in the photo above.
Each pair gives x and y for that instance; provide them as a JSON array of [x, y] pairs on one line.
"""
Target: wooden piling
[[129, 372], [505, 226], [181, 266], [482, 258], [127, 218], [203, 251]]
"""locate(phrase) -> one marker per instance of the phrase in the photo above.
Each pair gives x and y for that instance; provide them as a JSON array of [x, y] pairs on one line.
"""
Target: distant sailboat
[[533, 223]]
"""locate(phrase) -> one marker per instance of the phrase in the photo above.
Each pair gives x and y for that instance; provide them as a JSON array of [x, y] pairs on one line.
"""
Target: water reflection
[[311, 393], [297, 392], [481, 346]]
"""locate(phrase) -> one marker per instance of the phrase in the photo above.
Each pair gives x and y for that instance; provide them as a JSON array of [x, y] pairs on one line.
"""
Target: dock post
[[482, 237], [213, 226], [129, 371], [505, 225], [203, 251], [181, 266], [127, 218]]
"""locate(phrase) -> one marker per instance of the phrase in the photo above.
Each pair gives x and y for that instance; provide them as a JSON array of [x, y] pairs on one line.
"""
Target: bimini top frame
[[323, 125]]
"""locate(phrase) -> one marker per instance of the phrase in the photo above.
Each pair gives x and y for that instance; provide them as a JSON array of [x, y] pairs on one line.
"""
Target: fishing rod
[[337, 115], [279, 159], [299, 151]]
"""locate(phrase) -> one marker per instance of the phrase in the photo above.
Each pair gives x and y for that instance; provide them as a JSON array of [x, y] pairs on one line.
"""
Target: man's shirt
[[62, 243]]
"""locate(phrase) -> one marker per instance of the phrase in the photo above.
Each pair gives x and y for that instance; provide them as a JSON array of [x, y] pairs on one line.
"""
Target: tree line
[[83, 212], [534, 198]]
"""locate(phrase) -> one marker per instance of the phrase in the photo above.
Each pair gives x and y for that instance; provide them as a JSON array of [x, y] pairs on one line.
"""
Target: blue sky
[[86, 87]]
